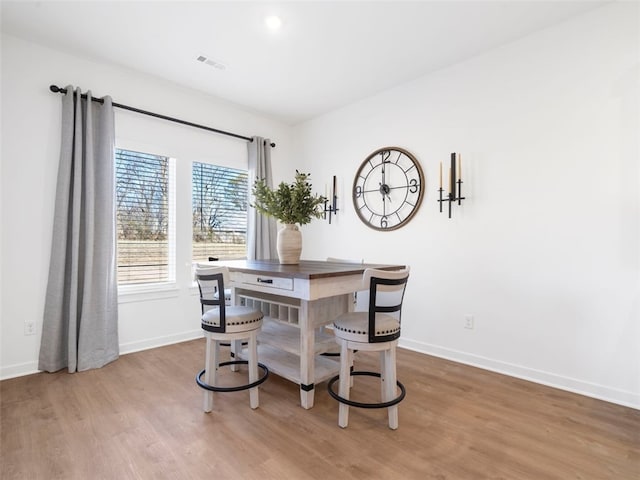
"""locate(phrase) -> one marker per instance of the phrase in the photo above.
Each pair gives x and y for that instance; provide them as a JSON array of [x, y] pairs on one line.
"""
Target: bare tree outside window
[[142, 189], [219, 215], [219, 211]]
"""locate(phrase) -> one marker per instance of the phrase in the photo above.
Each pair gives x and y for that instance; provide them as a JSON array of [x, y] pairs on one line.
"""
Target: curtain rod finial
[[54, 88]]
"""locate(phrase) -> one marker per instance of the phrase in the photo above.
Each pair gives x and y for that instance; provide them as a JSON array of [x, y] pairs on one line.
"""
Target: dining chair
[[225, 323], [375, 330]]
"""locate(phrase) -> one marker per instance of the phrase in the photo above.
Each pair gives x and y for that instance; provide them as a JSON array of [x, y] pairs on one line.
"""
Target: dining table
[[298, 301]]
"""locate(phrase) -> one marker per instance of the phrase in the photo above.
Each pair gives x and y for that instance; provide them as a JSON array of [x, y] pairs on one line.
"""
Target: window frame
[[131, 292]]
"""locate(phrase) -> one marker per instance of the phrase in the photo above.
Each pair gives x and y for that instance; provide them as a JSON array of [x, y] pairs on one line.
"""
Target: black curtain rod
[[56, 89]]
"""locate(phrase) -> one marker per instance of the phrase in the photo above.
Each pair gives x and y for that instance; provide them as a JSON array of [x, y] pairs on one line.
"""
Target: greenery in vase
[[289, 203]]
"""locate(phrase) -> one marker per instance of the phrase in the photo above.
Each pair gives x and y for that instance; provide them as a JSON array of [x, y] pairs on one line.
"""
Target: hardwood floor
[[141, 418]]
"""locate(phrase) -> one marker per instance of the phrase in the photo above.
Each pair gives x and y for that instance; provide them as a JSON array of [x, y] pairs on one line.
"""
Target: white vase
[[289, 244]]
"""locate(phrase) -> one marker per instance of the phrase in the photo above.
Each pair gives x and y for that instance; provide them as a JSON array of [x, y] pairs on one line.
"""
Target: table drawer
[[267, 281]]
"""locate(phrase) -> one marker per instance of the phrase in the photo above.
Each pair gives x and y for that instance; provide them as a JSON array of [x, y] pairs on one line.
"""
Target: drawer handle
[[262, 280]]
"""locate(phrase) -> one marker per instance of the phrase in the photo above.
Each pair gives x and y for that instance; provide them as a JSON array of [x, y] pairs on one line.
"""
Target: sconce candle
[[454, 193], [452, 176], [331, 200]]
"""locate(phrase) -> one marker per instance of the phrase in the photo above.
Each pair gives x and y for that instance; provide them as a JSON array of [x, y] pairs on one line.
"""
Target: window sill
[[144, 293]]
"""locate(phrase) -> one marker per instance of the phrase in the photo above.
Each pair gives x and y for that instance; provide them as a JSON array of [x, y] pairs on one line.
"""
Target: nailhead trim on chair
[[364, 332], [232, 322]]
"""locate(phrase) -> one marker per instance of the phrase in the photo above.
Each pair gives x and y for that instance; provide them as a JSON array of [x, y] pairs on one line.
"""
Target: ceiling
[[325, 55]]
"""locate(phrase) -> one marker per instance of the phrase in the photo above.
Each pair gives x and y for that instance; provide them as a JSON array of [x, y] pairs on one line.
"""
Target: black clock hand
[[385, 188], [384, 206]]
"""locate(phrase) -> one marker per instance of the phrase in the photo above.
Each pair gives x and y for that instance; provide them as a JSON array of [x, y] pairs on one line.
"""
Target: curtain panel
[[261, 230], [80, 321]]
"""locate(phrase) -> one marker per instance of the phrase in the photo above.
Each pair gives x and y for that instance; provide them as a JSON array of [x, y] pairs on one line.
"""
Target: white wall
[[30, 150], [545, 250]]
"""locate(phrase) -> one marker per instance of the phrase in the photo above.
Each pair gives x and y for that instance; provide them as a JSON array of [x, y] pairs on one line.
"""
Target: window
[[146, 216], [143, 206], [219, 207]]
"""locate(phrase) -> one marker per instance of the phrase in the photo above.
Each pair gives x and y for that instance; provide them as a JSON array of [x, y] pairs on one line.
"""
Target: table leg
[[307, 355]]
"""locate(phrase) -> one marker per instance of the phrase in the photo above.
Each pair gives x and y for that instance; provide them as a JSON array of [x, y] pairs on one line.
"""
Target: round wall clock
[[388, 188]]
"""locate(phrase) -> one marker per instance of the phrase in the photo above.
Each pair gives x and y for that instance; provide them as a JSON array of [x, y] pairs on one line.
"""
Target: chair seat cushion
[[354, 326], [238, 319]]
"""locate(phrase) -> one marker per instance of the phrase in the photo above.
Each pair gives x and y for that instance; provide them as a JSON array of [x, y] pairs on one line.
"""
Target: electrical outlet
[[468, 322], [29, 328]]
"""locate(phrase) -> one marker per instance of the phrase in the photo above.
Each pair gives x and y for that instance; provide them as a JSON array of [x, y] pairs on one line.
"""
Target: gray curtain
[[80, 324], [262, 230]]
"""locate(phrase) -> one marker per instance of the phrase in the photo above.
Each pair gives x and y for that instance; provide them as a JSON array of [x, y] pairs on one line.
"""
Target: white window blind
[[143, 218], [219, 208]]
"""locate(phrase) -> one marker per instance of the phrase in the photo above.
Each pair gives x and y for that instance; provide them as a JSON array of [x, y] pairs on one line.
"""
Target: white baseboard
[[28, 368], [18, 370], [146, 344], [601, 392]]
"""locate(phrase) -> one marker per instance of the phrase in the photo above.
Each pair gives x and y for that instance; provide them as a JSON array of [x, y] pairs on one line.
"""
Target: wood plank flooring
[[141, 418]]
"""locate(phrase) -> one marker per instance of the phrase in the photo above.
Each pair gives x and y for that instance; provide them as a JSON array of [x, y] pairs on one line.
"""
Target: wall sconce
[[331, 203], [455, 183]]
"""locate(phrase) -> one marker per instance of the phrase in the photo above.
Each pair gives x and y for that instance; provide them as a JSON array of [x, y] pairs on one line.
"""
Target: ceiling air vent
[[211, 62]]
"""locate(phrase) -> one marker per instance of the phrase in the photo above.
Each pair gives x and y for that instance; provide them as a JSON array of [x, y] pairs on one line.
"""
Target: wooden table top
[[306, 269]]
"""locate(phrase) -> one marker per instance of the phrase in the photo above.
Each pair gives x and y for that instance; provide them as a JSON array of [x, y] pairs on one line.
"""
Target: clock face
[[388, 188]]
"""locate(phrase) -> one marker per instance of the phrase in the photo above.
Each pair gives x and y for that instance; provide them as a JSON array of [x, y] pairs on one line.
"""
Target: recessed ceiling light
[[273, 22]]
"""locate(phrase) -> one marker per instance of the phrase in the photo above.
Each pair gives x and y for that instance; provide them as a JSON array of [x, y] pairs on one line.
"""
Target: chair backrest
[[385, 295], [211, 281]]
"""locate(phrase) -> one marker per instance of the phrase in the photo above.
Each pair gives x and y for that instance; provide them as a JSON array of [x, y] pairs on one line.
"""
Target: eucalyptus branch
[[289, 203]]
